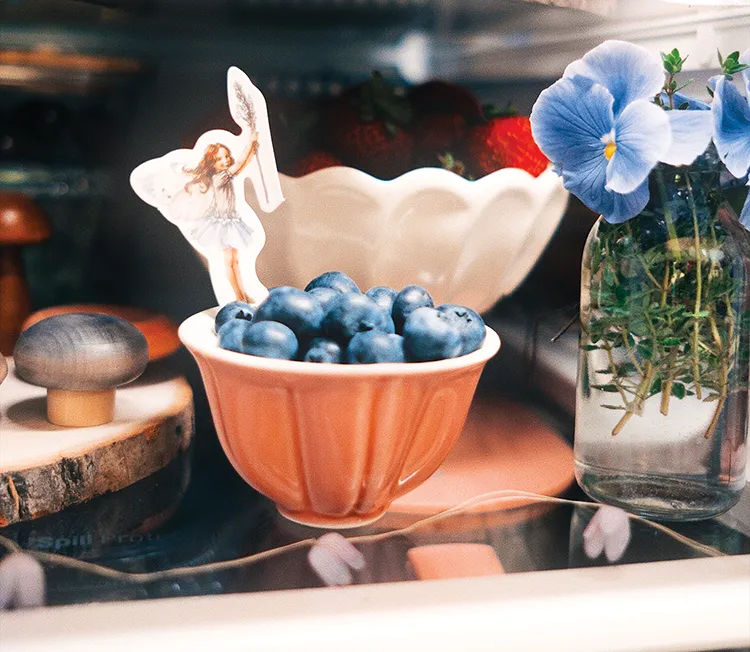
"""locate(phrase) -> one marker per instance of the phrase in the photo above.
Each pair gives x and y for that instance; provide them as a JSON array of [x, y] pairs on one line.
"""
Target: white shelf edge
[[674, 605]]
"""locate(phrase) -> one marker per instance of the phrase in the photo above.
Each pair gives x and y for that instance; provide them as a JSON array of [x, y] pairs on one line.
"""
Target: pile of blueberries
[[333, 321]]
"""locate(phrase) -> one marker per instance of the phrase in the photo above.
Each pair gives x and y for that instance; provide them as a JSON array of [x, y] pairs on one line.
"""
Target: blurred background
[[90, 89]]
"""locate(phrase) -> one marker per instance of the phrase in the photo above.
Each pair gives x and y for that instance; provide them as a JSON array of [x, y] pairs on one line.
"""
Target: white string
[[465, 506]]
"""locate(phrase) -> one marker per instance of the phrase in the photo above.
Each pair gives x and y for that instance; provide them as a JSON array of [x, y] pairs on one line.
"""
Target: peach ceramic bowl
[[333, 445]]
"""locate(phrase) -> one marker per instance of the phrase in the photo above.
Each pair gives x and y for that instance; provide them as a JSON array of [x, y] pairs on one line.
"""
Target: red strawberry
[[313, 162], [438, 132], [504, 142], [442, 97], [367, 129]]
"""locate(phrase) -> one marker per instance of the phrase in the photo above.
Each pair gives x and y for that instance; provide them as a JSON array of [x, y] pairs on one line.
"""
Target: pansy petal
[[586, 180], [731, 114], [628, 71], [745, 215], [570, 118], [626, 207], [680, 100], [712, 81], [642, 135], [745, 58], [691, 135]]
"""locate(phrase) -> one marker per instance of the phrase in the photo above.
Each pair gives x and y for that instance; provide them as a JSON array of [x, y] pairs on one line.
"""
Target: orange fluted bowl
[[332, 444]]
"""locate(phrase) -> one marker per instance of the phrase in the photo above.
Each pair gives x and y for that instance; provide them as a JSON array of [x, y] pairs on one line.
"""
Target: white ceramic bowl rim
[[412, 177], [197, 334]]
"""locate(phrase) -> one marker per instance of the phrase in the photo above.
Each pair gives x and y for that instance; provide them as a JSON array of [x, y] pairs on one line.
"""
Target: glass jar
[[662, 392]]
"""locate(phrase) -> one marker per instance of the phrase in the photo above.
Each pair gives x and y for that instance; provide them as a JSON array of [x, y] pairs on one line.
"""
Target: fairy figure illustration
[[202, 192]]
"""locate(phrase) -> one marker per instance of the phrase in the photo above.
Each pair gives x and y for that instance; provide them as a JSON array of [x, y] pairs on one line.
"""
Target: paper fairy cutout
[[202, 192]]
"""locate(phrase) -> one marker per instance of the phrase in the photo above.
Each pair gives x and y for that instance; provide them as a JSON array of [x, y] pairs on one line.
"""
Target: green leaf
[[672, 341], [684, 106], [590, 347], [613, 407], [711, 398], [611, 388], [678, 390]]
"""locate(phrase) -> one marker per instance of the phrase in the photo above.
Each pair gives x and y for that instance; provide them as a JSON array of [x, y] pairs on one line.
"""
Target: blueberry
[[270, 339], [375, 346], [351, 313], [232, 333], [383, 296], [234, 310], [324, 295], [430, 335], [294, 308], [323, 350], [336, 281], [407, 301], [469, 323]]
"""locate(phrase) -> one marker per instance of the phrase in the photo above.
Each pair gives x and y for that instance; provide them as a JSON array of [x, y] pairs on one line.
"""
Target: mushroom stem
[[15, 304], [80, 409]]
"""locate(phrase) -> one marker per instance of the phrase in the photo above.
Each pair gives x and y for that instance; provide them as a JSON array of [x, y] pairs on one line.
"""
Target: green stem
[[629, 351], [698, 290], [672, 243], [667, 383], [613, 370]]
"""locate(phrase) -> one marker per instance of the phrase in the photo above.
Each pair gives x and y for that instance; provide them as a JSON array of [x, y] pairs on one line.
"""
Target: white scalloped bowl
[[467, 242]]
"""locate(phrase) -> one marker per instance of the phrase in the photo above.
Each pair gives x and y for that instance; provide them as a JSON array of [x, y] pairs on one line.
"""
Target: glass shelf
[[197, 511]]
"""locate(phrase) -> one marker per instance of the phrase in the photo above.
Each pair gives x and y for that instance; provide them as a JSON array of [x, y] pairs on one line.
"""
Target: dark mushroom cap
[[21, 221], [81, 352], [3, 368]]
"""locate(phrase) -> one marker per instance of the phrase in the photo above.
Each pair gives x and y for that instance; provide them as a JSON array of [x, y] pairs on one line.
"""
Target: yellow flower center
[[609, 150]]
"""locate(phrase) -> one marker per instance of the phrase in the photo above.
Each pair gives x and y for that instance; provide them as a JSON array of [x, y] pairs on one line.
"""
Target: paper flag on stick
[[201, 191]]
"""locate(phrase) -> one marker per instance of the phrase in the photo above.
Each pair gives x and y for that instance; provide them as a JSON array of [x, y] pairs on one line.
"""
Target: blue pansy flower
[[731, 114], [600, 127]]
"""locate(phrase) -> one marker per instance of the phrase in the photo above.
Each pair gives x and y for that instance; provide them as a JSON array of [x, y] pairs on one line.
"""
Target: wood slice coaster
[[45, 468], [504, 445]]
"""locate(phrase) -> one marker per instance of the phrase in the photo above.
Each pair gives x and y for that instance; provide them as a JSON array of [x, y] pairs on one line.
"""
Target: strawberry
[[437, 132], [367, 129], [442, 97], [314, 161], [504, 142]]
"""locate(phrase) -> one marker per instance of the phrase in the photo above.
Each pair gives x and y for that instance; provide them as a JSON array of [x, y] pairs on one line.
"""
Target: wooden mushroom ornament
[[21, 223], [81, 359], [3, 368]]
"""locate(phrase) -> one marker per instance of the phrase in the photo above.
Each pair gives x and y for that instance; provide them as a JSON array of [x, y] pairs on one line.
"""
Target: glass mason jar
[[662, 392]]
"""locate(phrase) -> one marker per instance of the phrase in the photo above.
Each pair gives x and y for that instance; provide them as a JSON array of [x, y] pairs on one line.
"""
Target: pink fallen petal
[[328, 566], [615, 524], [344, 550], [22, 582], [608, 531], [593, 540]]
